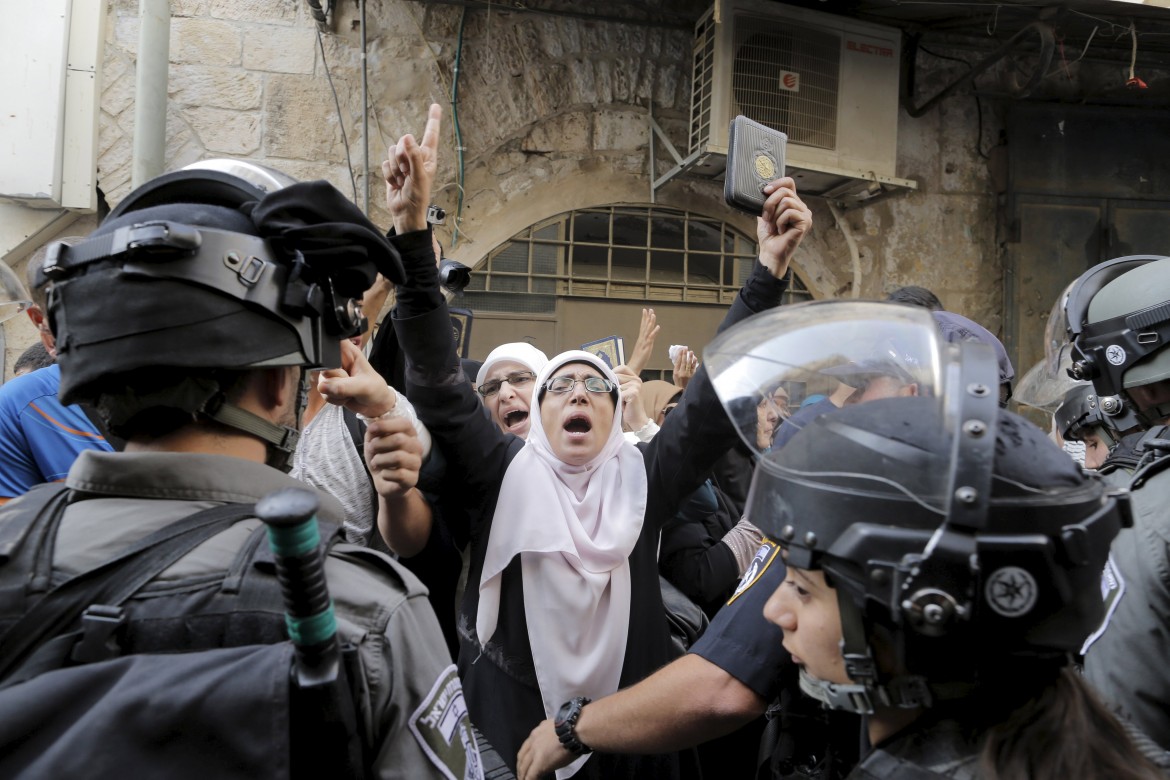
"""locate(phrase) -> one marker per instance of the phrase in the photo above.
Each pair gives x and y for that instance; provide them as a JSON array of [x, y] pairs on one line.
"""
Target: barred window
[[643, 253]]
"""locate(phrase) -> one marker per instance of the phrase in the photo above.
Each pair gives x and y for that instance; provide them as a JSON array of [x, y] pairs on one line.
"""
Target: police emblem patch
[[760, 563], [1011, 591], [443, 730]]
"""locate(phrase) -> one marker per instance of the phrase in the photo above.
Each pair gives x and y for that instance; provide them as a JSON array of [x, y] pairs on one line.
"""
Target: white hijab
[[573, 528], [517, 352]]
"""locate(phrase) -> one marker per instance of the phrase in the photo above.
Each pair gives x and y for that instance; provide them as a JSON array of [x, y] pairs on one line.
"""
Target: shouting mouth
[[578, 425], [515, 418]]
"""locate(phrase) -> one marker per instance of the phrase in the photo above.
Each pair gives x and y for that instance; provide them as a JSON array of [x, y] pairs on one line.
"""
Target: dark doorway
[[1085, 185]]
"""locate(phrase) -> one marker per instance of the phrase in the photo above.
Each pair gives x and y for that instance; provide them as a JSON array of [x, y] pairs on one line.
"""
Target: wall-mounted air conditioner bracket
[[681, 164]]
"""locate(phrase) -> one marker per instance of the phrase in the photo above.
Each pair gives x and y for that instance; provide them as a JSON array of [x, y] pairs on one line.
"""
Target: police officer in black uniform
[[942, 556]]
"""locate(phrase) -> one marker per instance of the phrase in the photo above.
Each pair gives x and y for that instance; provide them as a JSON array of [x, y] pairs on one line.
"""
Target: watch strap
[[565, 726]]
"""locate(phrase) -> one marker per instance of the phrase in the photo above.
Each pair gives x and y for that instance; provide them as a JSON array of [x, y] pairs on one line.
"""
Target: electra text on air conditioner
[[869, 48]]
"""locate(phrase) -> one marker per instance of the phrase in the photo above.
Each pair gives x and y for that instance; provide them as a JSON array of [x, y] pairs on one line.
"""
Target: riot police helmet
[[1119, 321], [955, 533], [224, 266]]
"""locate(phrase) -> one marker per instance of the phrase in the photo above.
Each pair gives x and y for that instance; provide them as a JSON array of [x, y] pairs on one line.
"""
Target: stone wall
[[553, 114]]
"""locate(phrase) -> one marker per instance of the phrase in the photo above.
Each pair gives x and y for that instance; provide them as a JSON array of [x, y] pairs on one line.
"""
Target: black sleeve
[[417, 293], [739, 640], [698, 432], [691, 556], [732, 477], [475, 449], [386, 356], [420, 292]]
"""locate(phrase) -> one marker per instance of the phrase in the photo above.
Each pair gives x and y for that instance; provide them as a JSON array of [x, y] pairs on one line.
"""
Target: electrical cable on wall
[[320, 13], [978, 103], [340, 120], [457, 222], [1133, 81], [1065, 65], [458, 133], [365, 116]]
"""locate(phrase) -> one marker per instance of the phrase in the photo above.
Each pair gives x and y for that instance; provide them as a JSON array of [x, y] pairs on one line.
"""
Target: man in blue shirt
[[39, 437]]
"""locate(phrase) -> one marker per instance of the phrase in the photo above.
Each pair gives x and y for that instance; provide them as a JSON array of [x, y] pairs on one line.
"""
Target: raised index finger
[[434, 120]]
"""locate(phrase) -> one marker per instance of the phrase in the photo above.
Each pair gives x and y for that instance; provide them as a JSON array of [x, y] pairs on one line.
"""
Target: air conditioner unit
[[51, 95], [829, 82]]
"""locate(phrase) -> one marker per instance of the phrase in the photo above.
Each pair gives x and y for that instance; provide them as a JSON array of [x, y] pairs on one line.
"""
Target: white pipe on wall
[[854, 252], [150, 98]]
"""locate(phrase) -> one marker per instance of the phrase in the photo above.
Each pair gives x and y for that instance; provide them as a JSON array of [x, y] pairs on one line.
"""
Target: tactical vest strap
[[1153, 451]]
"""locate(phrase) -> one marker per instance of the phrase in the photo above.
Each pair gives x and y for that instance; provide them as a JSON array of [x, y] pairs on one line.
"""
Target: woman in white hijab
[[563, 602], [563, 598], [505, 382], [571, 510]]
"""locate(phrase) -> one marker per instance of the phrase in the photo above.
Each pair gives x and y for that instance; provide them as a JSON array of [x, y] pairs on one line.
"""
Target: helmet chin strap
[[905, 692], [862, 697], [281, 440]]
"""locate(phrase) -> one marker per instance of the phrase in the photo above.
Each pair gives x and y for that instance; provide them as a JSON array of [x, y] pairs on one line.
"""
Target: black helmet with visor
[[953, 530], [1045, 385], [1118, 316], [1080, 415], [222, 266]]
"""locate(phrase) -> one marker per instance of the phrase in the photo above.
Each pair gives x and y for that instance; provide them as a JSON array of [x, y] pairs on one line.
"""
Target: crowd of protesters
[[806, 578]]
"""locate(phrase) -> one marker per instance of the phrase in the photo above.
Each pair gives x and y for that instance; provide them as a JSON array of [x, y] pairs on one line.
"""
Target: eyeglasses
[[515, 379], [565, 384]]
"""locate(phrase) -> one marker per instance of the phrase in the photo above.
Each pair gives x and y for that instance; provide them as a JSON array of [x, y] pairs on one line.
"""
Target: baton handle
[[291, 517]]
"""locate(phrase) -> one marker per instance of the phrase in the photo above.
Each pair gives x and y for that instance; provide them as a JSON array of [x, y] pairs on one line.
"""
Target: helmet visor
[[855, 354], [14, 298], [1045, 385], [845, 352]]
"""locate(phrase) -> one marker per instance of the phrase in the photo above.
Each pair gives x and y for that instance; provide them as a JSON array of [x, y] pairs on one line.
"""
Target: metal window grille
[[642, 253], [702, 81]]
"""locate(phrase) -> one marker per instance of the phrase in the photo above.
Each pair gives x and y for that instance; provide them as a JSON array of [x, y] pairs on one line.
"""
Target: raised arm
[[474, 447], [686, 363], [394, 456], [644, 346], [698, 432], [372, 303], [396, 445], [409, 171], [782, 226]]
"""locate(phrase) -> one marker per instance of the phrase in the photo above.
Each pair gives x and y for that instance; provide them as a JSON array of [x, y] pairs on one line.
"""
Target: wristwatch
[[565, 725]]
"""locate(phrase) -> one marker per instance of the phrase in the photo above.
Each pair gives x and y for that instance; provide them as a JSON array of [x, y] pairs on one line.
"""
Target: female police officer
[[943, 557]]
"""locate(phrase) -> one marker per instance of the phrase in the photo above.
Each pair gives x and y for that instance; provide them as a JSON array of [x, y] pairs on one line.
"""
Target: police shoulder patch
[[443, 730], [760, 563]]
